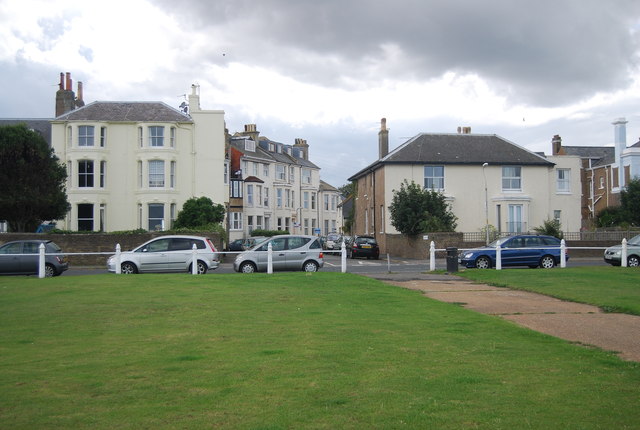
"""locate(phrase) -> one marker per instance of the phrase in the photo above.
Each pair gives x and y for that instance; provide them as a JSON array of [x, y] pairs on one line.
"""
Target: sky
[[328, 70]]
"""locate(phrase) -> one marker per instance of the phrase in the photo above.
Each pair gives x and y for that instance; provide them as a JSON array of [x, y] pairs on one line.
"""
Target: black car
[[13, 263], [363, 246]]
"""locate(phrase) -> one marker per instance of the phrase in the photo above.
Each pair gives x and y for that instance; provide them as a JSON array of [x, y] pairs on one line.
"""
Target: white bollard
[[118, 259], [432, 256], [343, 257], [388, 263], [269, 259], [41, 261], [498, 257], [194, 260], [623, 255], [563, 254]]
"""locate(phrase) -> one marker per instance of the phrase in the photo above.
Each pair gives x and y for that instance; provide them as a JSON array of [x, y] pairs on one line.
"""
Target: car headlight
[[467, 255]]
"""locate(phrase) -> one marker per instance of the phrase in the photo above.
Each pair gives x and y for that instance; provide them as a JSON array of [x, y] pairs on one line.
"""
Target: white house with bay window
[[486, 179], [133, 165]]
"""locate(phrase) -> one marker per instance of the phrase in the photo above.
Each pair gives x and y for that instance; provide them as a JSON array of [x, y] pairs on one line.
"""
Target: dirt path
[[575, 322]]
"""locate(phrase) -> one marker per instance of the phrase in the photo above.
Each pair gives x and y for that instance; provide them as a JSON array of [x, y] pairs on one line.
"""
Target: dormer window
[[249, 145]]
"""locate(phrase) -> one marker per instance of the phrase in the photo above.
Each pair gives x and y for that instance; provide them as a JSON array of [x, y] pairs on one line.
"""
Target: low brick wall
[[97, 242], [405, 247]]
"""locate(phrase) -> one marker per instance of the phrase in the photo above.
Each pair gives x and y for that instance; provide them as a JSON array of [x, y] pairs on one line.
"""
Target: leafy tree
[[32, 180], [630, 202], [415, 210], [199, 212], [551, 227]]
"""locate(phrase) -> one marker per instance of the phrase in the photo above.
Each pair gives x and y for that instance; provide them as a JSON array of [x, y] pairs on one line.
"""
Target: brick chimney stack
[[556, 146], [252, 131], [303, 146], [383, 139], [65, 97]]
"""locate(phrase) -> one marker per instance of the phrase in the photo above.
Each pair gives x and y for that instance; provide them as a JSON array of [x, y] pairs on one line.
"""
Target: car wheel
[[483, 263], [201, 267], [310, 266], [247, 267], [128, 268], [49, 271], [633, 261], [547, 262]]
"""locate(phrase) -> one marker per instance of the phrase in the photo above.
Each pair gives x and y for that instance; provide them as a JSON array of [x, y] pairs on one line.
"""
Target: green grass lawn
[[614, 289], [287, 351]]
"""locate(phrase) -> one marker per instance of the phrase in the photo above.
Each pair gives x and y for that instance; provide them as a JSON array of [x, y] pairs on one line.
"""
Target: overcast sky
[[329, 70]]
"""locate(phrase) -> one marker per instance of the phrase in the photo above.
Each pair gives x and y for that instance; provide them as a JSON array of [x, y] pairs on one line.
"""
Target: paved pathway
[[575, 322]]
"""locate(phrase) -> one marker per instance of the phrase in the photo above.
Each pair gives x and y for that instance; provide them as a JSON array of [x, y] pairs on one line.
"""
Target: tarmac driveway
[[575, 322]]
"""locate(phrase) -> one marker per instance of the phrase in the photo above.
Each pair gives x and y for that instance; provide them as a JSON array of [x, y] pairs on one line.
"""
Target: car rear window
[[366, 240], [315, 244]]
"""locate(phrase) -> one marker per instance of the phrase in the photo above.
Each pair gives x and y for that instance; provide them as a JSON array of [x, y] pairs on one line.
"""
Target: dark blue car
[[523, 250]]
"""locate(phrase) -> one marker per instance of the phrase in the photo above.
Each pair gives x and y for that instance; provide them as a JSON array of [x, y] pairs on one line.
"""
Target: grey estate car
[[168, 254], [289, 252]]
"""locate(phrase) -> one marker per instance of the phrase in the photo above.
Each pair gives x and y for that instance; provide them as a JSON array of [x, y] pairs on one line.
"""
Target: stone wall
[[97, 242]]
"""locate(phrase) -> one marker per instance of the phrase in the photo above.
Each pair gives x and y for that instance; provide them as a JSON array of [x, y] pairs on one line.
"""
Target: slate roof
[[448, 149], [601, 155], [40, 125], [126, 112]]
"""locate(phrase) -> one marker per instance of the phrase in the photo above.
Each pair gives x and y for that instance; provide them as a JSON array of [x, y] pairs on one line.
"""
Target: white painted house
[[133, 164]]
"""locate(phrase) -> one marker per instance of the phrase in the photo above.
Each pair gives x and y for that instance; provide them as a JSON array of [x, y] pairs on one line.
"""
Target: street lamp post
[[486, 204]]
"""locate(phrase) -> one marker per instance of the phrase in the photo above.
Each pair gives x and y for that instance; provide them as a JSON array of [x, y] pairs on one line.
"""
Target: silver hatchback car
[[168, 254], [289, 252]]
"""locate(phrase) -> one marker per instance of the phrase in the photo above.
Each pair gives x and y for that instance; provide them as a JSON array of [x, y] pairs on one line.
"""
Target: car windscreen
[[634, 241]]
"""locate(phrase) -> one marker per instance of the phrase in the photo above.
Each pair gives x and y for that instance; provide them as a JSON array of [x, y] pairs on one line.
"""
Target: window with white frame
[[266, 197], [236, 221], [156, 136], [172, 137], [326, 202], [287, 194], [265, 169], [306, 176], [281, 174], [85, 173], [140, 174], [103, 174], [250, 226], [85, 135], [511, 178], [156, 217], [563, 177], [258, 195], [140, 139], [259, 222], [172, 174], [279, 197], [236, 189], [156, 173], [305, 199], [245, 168], [250, 195], [313, 201], [292, 175], [249, 145], [85, 217], [103, 136], [255, 169], [434, 178]]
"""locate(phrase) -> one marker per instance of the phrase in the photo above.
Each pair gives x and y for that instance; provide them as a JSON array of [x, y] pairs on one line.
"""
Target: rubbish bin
[[452, 259]]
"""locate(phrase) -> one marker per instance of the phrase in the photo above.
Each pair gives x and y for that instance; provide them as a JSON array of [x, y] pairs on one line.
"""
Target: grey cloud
[[544, 52]]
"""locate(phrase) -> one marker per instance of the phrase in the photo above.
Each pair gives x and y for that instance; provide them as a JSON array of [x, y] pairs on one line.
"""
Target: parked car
[[11, 263], [522, 250], [236, 245], [289, 252], [168, 254], [613, 254], [334, 241], [363, 246]]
